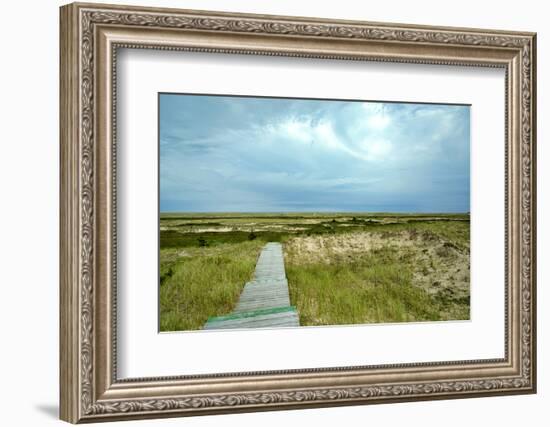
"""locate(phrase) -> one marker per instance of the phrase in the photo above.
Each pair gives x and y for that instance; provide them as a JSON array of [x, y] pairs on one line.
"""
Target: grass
[[372, 288], [346, 268], [203, 282], [175, 239]]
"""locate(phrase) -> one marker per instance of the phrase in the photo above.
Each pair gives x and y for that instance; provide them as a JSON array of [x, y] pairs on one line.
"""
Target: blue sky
[[241, 154]]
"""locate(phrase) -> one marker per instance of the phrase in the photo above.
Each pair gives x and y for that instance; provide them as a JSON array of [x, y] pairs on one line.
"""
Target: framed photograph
[[266, 212]]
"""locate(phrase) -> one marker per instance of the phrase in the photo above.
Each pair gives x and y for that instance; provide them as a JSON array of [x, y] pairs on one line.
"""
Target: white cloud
[[378, 121], [376, 117], [378, 149], [310, 155], [319, 134], [296, 129]]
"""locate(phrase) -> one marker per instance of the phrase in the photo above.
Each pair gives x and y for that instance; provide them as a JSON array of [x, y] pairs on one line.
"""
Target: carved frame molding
[[90, 37]]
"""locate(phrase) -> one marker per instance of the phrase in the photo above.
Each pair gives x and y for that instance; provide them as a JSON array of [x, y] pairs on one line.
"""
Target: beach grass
[[342, 269]]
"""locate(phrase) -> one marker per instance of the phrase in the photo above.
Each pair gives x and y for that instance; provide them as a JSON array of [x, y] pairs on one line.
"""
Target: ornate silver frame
[[90, 36]]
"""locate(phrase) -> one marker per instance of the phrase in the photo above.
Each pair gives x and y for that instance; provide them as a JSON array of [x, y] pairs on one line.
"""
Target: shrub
[[166, 276]]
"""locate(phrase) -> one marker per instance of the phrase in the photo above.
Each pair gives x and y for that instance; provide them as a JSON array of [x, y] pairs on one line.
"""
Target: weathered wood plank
[[286, 316], [265, 300]]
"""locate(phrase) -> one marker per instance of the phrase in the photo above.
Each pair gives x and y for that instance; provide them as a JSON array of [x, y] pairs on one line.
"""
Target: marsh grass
[[203, 282], [175, 239], [374, 287], [408, 268]]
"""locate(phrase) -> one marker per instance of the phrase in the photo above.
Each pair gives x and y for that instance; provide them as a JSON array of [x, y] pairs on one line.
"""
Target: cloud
[[375, 116], [258, 154]]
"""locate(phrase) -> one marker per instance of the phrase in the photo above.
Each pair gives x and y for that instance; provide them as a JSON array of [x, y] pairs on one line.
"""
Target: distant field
[[342, 268]]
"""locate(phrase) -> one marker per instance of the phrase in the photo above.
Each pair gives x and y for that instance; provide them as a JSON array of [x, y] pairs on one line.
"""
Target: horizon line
[[326, 212]]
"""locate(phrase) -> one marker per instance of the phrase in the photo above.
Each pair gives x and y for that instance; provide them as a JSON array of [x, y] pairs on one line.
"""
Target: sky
[[249, 154]]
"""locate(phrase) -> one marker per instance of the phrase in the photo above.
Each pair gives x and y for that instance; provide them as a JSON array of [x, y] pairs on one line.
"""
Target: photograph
[[292, 212], [268, 210]]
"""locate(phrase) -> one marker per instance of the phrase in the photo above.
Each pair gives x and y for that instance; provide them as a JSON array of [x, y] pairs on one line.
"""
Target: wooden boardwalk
[[264, 302]]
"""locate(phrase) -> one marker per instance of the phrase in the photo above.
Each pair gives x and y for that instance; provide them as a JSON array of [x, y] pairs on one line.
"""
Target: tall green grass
[[374, 287], [205, 282], [202, 274]]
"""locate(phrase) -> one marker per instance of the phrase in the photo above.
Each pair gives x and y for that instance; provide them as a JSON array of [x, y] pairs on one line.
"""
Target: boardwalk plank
[[264, 301], [282, 319]]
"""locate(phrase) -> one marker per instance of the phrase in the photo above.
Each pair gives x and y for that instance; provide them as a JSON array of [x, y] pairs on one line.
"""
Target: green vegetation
[[342, 268], [377, 287], [393, 281], [203, 282], [177, 239]]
